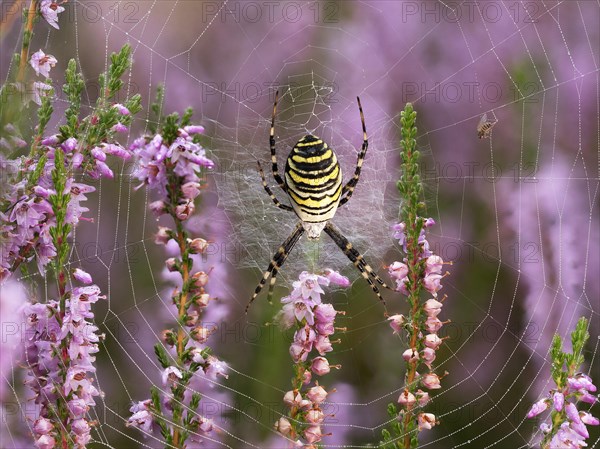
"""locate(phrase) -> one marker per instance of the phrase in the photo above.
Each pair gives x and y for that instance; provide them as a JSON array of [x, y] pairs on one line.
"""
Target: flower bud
[[168, 337], [202, 300], [422, 397], [172, 264], [432, 341], [396, 322], [201, 334], [432, 307], [185, 210]]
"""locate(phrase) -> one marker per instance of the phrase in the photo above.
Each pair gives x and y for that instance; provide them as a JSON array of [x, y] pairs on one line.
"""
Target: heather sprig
[[419, 273], [567, 428], [314, 323], [171, 162]]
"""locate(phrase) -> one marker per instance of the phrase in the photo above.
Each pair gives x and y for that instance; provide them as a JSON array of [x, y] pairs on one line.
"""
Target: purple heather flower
[[301, 309], [141, 419], [407, 399], [122, 109], [171, 375], [308, 287], [42, 63], [558, 399], [82, 276], [336, 278], [215, 368], [537, 408], [429, 222], [581, 382], [119, 128], [194, 129], [585, 396], [588, 419], [434, 264], [50, 10], [432, 284], [69, 145], [567, 438]]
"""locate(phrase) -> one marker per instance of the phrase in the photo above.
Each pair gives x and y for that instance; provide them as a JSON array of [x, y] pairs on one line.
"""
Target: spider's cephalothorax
[[313, 179], [313, 182]]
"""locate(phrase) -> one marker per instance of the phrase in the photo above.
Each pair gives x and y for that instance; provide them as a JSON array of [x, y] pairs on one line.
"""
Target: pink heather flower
[[396, 322], [80, 426], [300, 309], [588, 419], [422, 397], [313, 434], [42, 426], [82, 276], [286, 316], [298, 352], [433, 324], [45, 442], [77, 407], [434, 264], [407, 398], [283, 426], [122, 109], [308, 287], [294, 399], [40, 90], [306, 377], [158, 208], [432, 307], [581, 382], [320, 366], [50, 11], [558, 399], [402, 285], [185, 210], [431, 381], [398, 270], [432, 341], [537, 408], [426, 421], [42, 63], [429, 222], [315, 416], [171, 375], [316, 394], [163, 235], [198, 245], [431, 282], [206, 425], [323, 344], [410, 355], [336, 278], [141, 419], [428, 355], [190, 190], [576, 423]]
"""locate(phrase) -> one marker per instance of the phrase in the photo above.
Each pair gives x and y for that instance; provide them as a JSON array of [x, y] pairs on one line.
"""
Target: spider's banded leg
[[355, 257], [348, 189], [278, 260], [276, 175], [269, 192]]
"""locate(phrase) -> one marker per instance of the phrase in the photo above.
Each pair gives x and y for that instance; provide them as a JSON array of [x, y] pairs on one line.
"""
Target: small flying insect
[[485, 125], [312, 181]]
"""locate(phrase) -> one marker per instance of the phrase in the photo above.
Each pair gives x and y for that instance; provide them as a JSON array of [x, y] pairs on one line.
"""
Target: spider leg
[[269, 192], [276, 175], [277, 261], [348, 189], [356, 258]]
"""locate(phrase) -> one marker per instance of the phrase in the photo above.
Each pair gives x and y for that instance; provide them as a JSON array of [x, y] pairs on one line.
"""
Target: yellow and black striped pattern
[[313, 179]]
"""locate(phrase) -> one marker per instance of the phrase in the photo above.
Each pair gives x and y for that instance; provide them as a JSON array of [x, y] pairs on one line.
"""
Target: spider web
[[517, 213]]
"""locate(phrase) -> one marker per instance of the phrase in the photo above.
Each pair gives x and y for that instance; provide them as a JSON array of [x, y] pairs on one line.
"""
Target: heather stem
[[27, 35]]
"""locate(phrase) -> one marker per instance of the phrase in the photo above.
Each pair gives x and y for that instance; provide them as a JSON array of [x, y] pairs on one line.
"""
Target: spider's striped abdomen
[[314, 182]]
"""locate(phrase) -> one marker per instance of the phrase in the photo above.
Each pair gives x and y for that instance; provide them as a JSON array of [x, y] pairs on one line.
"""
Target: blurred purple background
[[517, 213]]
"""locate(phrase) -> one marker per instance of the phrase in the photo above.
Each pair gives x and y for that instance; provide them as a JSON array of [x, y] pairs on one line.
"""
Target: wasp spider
[[313, 183]]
